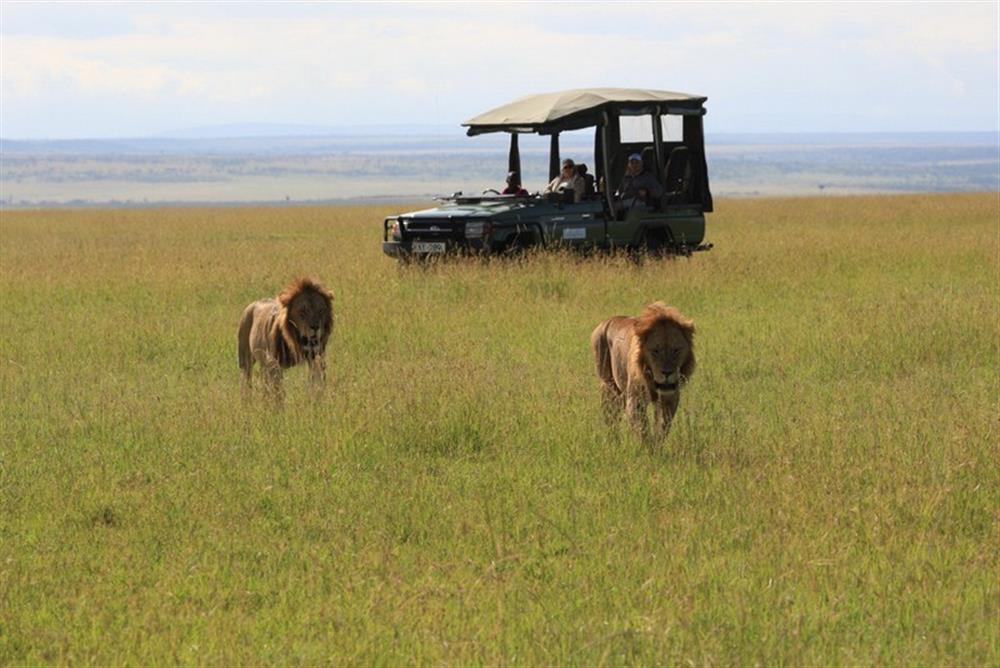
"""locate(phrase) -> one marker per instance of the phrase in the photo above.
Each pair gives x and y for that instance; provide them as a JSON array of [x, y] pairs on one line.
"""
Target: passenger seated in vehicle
[[514, 186], [588, 181], [567, 180], [639, 184]]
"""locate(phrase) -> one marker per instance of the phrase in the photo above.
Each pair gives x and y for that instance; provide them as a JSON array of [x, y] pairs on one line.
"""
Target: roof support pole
[[609, 188], [658, 144], [598, 153], [554, 156], [514, 157]]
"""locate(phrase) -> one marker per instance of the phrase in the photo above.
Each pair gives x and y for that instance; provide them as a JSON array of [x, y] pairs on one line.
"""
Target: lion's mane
[[653, 317], [287, 348]]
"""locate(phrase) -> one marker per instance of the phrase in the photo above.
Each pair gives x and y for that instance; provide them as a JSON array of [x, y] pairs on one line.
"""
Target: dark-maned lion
[[282, 332], [641, 361]]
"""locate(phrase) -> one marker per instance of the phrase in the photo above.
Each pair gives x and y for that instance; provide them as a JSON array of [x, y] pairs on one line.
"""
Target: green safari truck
[[666, 217]]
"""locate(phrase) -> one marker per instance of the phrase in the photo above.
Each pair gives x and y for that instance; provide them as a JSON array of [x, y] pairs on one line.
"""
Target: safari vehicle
[[664, 128]]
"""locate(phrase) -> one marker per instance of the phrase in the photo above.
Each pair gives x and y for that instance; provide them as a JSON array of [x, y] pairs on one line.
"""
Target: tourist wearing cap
[[639, 183], [568, 179]]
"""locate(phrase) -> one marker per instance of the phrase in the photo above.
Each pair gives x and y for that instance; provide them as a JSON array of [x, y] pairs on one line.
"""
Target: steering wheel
[[491, 190]]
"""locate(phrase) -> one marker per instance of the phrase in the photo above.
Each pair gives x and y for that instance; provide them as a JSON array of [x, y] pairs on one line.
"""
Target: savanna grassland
[[828, 494]]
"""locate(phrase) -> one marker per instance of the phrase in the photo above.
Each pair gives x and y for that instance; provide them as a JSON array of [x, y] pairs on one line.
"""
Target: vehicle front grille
[[437, 229]]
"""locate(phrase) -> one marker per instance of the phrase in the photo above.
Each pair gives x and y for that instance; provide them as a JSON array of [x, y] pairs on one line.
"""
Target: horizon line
[[333, 132]]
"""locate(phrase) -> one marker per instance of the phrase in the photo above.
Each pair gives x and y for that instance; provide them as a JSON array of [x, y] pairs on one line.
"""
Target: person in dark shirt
[[639, 184], [514, 186], [588, 180]]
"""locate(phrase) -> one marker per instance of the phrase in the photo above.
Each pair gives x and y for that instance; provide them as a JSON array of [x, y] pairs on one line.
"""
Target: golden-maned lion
[[642, 361], [282, 332]]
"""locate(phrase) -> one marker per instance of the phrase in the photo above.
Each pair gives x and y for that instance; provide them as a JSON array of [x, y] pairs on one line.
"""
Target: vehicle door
[[576, 224], [626, 226]]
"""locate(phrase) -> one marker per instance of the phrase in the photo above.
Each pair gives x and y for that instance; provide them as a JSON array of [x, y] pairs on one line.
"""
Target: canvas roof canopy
[[546, 113]]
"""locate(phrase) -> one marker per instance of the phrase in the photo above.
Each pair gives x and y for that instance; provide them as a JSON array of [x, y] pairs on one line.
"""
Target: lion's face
[[667, 356], [309, 315]]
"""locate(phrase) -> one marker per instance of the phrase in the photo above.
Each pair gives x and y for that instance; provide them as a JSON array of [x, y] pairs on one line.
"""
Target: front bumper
[[404, 248], [395, 248]]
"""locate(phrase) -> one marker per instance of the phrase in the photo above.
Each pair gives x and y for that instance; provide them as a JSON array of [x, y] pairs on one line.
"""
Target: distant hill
[[986, 138], [341, 167], [275, 139], [244, 130]]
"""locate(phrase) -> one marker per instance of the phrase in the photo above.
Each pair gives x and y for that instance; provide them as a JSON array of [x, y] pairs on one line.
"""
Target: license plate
[[428, 247]]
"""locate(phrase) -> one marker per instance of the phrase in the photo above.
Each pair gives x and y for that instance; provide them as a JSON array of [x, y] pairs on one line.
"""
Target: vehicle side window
[[673, 128], [636, 129]]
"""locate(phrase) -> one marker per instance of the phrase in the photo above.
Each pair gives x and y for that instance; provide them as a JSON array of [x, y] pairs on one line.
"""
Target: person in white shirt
[[568, 179]]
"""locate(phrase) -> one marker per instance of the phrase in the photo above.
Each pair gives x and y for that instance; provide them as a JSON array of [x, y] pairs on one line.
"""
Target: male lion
[[279, 333], [641, 361]]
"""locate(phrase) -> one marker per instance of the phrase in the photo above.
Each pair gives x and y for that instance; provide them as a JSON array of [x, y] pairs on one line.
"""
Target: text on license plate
[[428, 246]]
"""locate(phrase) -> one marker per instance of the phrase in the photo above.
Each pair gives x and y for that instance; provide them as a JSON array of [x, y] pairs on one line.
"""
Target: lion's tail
[[602, 350], [243, 339]]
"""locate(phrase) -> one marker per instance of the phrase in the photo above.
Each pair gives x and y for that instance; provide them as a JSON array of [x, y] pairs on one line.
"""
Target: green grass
[[828, 494]]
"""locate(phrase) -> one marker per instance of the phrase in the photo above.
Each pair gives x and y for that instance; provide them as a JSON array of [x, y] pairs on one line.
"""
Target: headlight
[[394, 229], [477, 230]]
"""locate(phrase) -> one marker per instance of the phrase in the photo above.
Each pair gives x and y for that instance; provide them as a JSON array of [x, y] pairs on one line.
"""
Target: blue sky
[[140, 69]]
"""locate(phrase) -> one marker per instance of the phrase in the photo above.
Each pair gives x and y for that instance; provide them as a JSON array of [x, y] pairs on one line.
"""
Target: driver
[[514, 186], [568, 179], [638, 183]]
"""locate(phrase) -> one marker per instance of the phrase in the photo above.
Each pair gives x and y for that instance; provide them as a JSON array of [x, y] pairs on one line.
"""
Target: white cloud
[[166, 66]]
